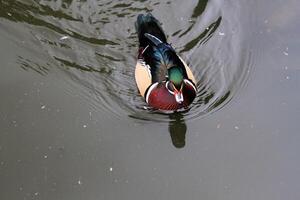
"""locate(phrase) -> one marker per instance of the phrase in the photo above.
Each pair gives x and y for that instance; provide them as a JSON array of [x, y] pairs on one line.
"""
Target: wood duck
[[162, 77]]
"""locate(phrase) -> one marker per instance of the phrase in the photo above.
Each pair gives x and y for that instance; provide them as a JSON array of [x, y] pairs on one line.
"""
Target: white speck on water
[[285, 53], [221, 33], [15, 123], [207, 28], [79, 182], [285, 68], [110, 169], [64, 37], [9, 14], [84, 126], [43, 107], [236, 128], [45, 156], [287, 77], [36, 193]]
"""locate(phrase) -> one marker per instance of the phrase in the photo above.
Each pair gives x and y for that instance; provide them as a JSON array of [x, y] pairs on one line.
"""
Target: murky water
[[74, 127]]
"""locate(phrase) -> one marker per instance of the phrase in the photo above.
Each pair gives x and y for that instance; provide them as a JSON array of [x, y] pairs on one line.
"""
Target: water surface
[[74, 127]]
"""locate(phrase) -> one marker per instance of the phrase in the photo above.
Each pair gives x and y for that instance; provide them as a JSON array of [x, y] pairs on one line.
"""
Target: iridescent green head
[[176, 79], [176, 76]]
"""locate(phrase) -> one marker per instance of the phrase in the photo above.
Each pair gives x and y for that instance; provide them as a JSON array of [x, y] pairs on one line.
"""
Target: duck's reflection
[[177, 129]]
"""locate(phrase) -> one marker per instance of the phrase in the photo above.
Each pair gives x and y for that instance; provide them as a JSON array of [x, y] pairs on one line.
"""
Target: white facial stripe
[[171, 92], [150, 90]]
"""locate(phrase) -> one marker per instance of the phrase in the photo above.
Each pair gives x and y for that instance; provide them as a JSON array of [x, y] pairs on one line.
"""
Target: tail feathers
[[148, 24]]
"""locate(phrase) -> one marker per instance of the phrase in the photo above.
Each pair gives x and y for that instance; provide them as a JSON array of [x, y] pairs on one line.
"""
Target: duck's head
[[176, 82]]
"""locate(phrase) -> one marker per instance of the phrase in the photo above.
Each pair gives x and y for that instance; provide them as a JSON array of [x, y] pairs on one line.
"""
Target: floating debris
[[43, 107], [236, 128], [286, 52], [221, 33], [84, 126], [110, 169], [64, 37]]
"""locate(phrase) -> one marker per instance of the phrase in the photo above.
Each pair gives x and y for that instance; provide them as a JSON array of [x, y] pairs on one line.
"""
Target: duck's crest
[[148, 24]]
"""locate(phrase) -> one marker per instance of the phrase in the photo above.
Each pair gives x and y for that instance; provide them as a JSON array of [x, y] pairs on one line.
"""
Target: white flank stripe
[[150, 90], [190, 83]]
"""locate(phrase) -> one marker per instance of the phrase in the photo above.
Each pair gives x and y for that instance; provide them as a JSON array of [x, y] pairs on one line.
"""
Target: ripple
[[99, 55]]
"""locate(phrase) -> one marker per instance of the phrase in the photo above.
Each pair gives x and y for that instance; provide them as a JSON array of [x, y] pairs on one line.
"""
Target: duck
[[163, 79]]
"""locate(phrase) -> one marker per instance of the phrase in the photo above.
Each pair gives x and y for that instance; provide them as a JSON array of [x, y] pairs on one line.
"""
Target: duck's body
[[162, 77]]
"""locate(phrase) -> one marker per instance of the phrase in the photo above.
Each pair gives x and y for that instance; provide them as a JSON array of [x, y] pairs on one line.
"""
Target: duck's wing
[[173, 58], [160, 57]]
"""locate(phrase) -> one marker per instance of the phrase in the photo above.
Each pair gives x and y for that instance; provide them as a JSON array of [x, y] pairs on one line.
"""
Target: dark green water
[[72, 125]]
